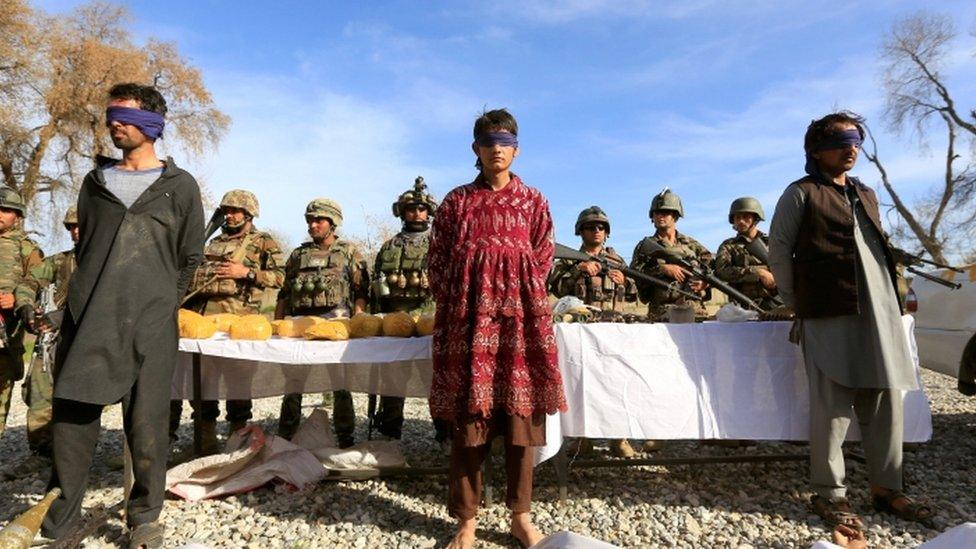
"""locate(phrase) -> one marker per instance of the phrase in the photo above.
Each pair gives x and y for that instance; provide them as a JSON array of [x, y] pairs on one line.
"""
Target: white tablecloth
[[639, 381]]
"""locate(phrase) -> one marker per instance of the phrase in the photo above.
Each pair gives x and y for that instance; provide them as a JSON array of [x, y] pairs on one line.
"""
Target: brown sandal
[[912, 510], [837, 513]]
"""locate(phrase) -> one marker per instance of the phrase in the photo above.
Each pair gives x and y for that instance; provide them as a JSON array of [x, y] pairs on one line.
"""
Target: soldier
[[736, 261], [18, 255], [52, 275], [240, 265], [325, 277], [400, 284], [665, 211], [607, 289]]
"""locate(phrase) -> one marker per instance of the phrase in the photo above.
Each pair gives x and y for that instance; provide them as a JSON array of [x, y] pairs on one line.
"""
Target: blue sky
[[615, 99]]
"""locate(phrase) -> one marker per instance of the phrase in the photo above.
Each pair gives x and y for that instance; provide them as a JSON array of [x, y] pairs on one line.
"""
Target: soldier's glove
[[778, 313], [28, 317]]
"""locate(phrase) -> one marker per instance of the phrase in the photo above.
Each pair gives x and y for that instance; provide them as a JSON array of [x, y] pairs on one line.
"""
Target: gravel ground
[[719, 505]]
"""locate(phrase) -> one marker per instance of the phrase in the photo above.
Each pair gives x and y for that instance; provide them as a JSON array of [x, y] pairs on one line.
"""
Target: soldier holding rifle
[[743, 260]]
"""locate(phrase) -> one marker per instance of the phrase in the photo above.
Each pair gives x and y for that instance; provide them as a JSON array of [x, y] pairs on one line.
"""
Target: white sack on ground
[[315, 435]]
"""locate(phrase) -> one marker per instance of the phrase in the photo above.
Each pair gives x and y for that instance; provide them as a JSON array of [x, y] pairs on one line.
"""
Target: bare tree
[[918, 100], [53, 91]]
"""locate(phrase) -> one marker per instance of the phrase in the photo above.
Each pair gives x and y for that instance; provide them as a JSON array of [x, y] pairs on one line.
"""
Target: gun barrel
[[933, 278]]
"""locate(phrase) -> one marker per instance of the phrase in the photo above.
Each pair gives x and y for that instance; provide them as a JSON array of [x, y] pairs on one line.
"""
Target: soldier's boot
[[208, 445], [238, 414], [34, 464], [389, 417], [620, 447], [175, 415], [343, 418], [235, 426], [6, 391], [579, 446], [290, 416], [653, 445]]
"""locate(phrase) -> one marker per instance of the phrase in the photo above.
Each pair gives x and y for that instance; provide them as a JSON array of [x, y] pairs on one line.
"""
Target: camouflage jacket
[[400, 274], [740, 268], [684, 247], [56, 269], [18, 255], [599, 291], [261, 254], [319, 281]]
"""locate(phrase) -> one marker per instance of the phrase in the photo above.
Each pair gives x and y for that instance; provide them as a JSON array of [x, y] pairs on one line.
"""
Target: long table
[[709, 380]]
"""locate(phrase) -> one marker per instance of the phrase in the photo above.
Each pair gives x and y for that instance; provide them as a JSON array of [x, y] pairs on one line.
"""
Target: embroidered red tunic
[[494, 348]]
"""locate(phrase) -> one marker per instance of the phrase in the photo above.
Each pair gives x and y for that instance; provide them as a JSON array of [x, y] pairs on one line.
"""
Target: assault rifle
[[48, 338], [908, 260], [758, 248], [569, 254], [216, 220], [697, 270]]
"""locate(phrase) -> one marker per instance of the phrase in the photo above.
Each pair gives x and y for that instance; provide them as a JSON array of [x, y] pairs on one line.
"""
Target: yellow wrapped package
[[425, 325], [183, 315], [332, 330], [365, 325], [398, 324], [223, 320], [197, 327], [254, 327], [296, 326]]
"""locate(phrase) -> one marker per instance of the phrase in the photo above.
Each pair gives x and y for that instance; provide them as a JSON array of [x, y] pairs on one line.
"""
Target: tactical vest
[[205, 282], [64, 268], [323, 279], [403, 269], [600, 291]]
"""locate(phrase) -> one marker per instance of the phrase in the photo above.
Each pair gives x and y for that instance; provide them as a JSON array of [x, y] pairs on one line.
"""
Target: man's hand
[[674, 272], [6, 301], [591, 268], [616, 276], [28, 316], [231, 269], [698, 285], [766, 279]]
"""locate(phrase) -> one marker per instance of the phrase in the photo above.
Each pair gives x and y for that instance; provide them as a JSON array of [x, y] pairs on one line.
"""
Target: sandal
[[149, 535], [912, 510], [838, 514]]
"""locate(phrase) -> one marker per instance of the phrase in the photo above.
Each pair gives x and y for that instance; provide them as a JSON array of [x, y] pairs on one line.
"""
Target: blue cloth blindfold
[[151, 124], [839, 140], [505, 139]]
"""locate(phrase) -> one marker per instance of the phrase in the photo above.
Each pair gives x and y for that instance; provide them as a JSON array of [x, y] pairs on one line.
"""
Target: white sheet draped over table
[[640, 381]]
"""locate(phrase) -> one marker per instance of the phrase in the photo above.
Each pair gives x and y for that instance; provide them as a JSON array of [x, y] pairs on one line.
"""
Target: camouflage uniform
[[38, 388], [597, 290], [400, 284], [323, 282], [18, 255], [208, 294], [740, 268], [658, 298]]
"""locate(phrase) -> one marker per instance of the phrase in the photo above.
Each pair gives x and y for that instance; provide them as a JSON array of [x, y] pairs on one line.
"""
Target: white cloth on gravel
[[570, 540], [963, 535]]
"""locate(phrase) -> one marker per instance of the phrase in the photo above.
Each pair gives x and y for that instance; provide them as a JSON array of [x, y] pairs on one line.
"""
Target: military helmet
[[11, 199], [415, 196], [325, 207], [71, 216], [666, 200], [592, 214], [239, 198], [746, 204]]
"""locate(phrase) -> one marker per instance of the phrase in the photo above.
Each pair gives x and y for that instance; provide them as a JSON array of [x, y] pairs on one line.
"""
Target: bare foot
[[524, 530], [849, 537], [464, 539]]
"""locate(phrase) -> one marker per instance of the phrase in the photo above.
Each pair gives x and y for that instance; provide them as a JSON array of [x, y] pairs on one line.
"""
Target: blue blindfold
[[838, 140], [149, 123], [505, 139]]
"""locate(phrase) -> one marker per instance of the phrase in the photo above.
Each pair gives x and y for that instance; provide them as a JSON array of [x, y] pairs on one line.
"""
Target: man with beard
[[51, 274], [834, 267], [736, 264], [326, 277], [18, 255], [400, 284], [141, 238], [607, 289], [241, 264]]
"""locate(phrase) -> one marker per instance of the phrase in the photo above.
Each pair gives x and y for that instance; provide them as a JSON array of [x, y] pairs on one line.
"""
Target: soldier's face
[[664, 219], [73, 231], [8, 218], [838, 161], [415, 213], [319, 228], [125, 136], [594, 234], [234, 217], [743, 222]]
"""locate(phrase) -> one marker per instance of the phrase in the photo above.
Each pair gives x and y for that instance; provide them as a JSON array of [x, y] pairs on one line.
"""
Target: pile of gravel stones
[[715, 505]]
